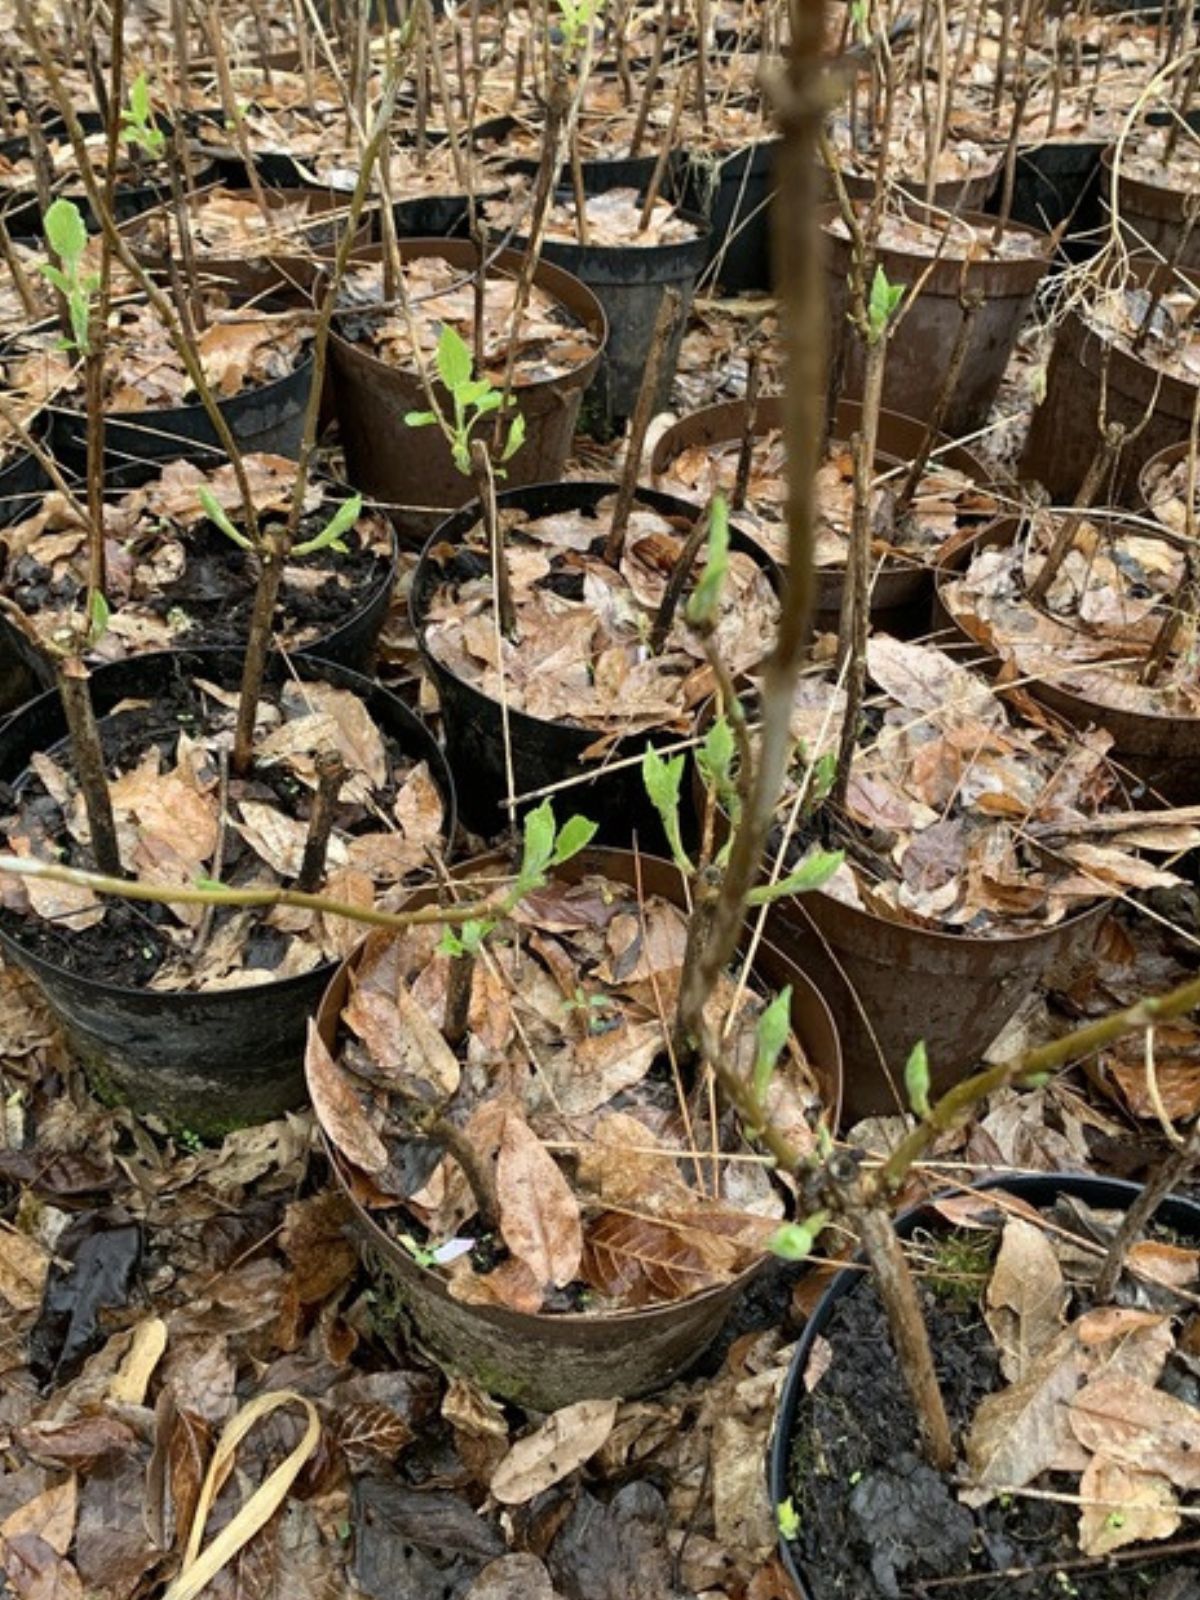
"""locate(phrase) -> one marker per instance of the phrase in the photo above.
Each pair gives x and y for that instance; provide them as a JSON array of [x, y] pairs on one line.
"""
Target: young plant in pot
[[540, 1164], [443, 329], [984, 844], [1096, 610], [1041, 1441]]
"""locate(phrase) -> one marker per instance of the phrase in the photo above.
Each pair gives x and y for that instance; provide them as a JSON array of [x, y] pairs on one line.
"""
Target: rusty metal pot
[[920, 350], [544, 1361], [902, 590], [411, 470], [1151, 216], [1161, 750], [1065, 434]]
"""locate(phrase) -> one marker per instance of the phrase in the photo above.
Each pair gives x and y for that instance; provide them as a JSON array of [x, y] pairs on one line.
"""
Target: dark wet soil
[[131, 942], [875, 1521], [212, 601]]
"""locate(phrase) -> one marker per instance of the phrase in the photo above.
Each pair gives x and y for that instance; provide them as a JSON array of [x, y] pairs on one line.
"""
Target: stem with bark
[[643, 411], [88, 755], [331, 774]]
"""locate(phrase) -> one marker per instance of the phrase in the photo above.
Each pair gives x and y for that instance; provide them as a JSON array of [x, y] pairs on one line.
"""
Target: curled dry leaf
[[539, 1216], [338, 1108], [1139, 1426], [1026, 1297], [564, 1442]]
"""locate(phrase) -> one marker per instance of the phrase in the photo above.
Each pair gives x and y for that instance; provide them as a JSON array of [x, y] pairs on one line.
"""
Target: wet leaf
[[564, 1442], [539, 1216], [514, 1577], [639, 1261]]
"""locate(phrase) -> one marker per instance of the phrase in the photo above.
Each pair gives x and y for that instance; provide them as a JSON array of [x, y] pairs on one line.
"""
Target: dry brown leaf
[[1139, 1426], [1025, 1430], [641, 1261], [277, 838], [539, 1216], [338, 1110], [511, 1285], [34, 1571], [23, 1267], [149, 1341], [564, 1442], [1170, 1264], [513, 1577], [405, 1046], [51, 1515], [1026, 1297], [1131, 1506]]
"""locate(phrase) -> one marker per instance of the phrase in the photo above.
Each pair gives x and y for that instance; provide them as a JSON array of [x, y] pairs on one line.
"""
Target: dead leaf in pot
[[639, 1261], [563, 1443], [1024, 1430], [1026, 1297], [511, 1285], [1129, 1507], [338, 1109], [539, 1216], [1139, 1426]]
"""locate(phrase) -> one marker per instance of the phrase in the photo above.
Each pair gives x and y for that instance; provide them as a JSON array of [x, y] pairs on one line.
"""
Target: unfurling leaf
[[419, 419], [453, 359], [663, 781], [346, 515], [884, 302], [516, 432], [788, 1519], [216, 513], [705, 602], [771, 1036], [574, 835], [916, 1079], [539, 843], [65, 233], [812, 873], [98, 615]]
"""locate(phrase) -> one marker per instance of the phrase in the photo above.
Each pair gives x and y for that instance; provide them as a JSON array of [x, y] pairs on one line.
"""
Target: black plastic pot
[[23, 218], [207, 1062], [542, 752], [546, 1361], [734, 193], [1182, 1216], [600, 174], [267, 418], [22, 482], [1056, 181], [629, 281]]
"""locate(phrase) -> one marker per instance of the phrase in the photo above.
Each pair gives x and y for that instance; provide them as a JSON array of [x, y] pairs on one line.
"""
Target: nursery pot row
[[545, 1361], [204, 1061]]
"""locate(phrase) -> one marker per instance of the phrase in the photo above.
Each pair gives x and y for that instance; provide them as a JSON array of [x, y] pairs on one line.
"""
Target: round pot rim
[[1032, 266], [253, 392], [1004, 530], [1145, 187], [849, 1275], [278, 986], [642, 494], [515, 1320], [681, 247], [1168, 456], [547, 275]]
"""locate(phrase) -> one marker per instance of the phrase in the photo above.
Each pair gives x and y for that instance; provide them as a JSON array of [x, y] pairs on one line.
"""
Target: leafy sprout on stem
[[329, 538], [472, 398], [138, 126], [545, 845], [882, 306], [575, 20], [67, 237]]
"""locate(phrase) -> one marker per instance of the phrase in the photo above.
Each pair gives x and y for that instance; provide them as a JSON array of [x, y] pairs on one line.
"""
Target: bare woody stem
[[801, 109], [741, 482], [88, 754], [971, 304], [643, 411], [475, 1168], [485, 483], [1102, 462], [331, 774], [221, 895], [459, 984], [677, 582], [271, 554], [1172, 1171]]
